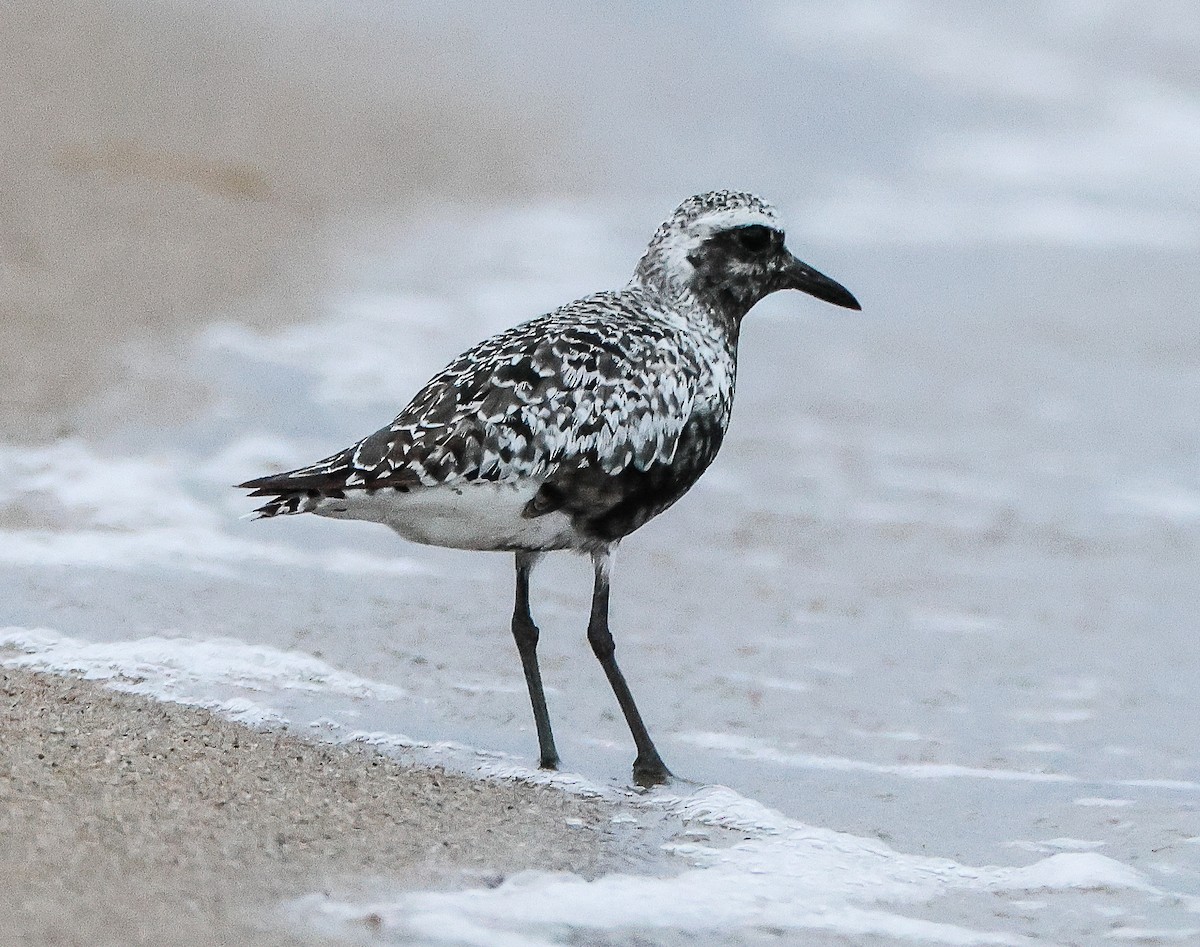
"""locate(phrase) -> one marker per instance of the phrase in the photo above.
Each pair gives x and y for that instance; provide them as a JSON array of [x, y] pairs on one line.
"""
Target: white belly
[[462, 516]]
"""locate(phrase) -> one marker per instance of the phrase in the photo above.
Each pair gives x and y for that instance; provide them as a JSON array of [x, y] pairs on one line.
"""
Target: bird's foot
[[650, 772]]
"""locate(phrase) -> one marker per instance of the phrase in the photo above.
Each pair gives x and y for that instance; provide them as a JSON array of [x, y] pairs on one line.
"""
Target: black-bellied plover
[[573, 429]]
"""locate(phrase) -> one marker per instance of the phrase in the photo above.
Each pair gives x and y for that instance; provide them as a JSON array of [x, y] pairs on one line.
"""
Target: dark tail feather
[[325, 476], [295, 491], [288, 483], [280, 506]]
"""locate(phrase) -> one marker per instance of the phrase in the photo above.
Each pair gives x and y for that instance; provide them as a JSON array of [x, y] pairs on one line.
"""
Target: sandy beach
[[130, 821]]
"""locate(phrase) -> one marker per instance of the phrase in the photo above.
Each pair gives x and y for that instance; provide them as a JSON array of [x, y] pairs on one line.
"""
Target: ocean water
[[922, 643]]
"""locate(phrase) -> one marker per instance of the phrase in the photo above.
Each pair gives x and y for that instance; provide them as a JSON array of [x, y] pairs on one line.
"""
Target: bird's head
[[726, 248]]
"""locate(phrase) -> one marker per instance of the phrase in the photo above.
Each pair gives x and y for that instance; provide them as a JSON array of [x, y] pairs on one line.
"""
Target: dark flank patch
[[607, 507]]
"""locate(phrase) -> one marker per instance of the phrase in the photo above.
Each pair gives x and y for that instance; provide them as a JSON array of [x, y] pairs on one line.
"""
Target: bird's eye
[[755, 239]]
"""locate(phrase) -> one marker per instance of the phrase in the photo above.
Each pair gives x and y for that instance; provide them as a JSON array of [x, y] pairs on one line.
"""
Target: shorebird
[[570, 431]]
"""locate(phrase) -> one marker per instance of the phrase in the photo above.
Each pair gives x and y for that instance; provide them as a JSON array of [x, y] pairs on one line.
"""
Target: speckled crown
[[664, 264], [712, 204]]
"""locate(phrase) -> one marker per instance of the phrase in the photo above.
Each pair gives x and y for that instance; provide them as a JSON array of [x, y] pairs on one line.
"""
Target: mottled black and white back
[[573, 429]]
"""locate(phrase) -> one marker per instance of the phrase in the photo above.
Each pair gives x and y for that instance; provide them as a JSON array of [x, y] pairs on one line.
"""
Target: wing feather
[[595, 384]]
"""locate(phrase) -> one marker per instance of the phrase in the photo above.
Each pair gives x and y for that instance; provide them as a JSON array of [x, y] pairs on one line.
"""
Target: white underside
[[461, 516]]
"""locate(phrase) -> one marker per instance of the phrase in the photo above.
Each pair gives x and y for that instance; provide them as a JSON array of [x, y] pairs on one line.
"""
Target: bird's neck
[[712, 311]]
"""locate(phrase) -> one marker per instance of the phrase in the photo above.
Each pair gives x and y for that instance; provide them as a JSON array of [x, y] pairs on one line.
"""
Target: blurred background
[[174, 163], [958, 530]]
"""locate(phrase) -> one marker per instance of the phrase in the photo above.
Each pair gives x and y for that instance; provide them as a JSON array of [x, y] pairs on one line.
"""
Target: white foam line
[[485, 764], [785, 874], [181, 669], [535, 906]]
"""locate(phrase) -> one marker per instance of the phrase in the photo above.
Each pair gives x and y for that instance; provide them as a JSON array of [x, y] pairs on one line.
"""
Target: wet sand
[[128, 821]]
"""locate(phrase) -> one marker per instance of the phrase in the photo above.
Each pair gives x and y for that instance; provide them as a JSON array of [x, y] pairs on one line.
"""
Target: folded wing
[[567, 391]]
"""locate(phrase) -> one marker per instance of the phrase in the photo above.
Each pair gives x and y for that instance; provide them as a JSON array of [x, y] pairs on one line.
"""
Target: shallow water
[[938, 590]]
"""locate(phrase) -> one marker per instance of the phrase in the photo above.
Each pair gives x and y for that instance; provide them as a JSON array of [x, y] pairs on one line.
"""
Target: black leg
[[526, 633], [648, 768]]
